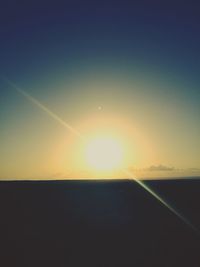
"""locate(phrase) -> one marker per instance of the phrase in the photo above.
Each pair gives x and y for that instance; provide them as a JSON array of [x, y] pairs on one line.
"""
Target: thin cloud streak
[[160, 168]]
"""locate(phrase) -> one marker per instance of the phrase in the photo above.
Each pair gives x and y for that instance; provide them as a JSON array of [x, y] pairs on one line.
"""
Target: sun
[[104, 153]]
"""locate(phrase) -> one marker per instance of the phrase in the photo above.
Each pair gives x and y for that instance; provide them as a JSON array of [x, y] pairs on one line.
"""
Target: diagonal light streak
[[78, 134], [162, 201], [44, 108]]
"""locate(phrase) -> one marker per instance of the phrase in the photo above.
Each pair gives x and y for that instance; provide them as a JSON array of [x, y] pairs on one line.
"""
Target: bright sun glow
[[104, 154]]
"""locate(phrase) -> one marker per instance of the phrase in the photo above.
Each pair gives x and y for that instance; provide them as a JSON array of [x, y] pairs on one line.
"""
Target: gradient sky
[[139, 61]]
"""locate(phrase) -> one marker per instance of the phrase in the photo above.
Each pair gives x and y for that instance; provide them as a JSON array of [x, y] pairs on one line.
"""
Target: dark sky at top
[[37, 36]]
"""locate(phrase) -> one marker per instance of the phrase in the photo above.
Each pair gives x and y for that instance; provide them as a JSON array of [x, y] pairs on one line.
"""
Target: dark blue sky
[[36, 37]]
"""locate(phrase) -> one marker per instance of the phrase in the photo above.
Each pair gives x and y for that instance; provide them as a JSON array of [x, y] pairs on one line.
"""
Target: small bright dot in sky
[[99, 107]]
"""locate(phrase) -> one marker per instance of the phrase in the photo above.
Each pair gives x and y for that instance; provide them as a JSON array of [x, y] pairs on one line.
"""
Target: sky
[[130, 69]]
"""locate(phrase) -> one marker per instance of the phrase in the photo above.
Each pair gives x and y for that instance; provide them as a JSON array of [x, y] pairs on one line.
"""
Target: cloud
[[193, 169], [160, 167]]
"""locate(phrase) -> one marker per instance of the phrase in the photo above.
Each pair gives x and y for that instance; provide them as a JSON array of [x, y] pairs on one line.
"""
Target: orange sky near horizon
[[35, 145]]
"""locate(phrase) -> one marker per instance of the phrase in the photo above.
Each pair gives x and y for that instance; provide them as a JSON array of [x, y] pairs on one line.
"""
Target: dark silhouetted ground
[[98, 223]]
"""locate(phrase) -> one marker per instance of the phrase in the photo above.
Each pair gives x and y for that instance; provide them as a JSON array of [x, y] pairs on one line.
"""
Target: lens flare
[[104, 153]]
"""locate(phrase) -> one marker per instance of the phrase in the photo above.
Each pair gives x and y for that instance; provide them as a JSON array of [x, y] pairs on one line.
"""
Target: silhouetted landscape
[[98, 223]]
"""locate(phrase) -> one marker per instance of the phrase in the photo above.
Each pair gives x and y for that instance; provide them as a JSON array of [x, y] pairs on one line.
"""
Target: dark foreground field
[[96, 223]]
